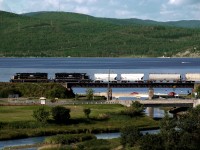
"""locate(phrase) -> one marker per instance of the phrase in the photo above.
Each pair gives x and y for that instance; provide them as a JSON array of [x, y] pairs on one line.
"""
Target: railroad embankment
[[34, 90]]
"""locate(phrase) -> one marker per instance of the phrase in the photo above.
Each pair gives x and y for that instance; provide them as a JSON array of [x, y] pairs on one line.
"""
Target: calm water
[[10, 66], [118, 134], [20, 142], [28, 141]]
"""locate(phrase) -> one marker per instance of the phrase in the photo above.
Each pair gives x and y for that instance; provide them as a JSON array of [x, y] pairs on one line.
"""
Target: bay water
[[10, 66]]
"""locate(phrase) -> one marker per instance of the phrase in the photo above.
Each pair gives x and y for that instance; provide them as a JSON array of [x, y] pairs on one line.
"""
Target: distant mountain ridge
[[62, 34], [130, 21]]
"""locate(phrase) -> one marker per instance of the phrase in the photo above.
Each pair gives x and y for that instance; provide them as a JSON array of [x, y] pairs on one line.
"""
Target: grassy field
[[17, 121]]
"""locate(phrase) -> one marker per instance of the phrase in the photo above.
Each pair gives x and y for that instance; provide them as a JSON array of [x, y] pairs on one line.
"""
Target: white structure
[[105, 77], [164, 77], [192, 76], [132, 77], [43, 100]]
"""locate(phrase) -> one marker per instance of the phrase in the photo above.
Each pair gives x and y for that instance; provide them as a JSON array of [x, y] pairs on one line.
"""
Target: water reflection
[[20, 142], [118, 134]]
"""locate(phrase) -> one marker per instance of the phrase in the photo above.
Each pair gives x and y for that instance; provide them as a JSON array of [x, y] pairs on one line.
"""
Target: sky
[[158, 10]]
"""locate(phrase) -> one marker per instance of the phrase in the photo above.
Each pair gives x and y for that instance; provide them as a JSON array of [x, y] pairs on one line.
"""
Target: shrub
[[68, 138], [2, 125], [41, 115], [23, 125], [57, 92], [151, 142], [87, 112], [89, 94], [136, 109], [60, 114], [95, 144], [103, 116], [5, 92], [130, 135]]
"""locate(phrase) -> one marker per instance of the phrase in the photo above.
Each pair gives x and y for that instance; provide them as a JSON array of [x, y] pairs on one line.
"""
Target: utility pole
[[108, 90]]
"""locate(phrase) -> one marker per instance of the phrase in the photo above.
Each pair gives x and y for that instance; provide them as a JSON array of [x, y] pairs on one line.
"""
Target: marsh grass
[[17, 121]]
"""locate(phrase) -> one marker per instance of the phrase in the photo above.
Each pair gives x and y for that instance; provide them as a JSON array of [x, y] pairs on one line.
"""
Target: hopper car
[[136, 77], [105, 77]]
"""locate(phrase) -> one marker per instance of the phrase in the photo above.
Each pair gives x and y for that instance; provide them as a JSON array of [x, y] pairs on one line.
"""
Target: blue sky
[[159, 10]]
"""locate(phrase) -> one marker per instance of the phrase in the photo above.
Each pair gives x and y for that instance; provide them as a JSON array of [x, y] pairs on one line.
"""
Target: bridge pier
[[196, 102], [150, 111], [151, 93], [69, 88], [109, 94]]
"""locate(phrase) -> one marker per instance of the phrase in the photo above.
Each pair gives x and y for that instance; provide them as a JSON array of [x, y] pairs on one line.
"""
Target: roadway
[[174, 102]]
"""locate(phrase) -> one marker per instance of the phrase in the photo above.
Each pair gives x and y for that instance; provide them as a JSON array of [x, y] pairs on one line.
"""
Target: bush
[[130, 135], [95, 144], [23, 125], [60, 114], [5, 92], [68, 138], [103, 117], [87, 112], [151, 142], [41, 115], [136, 109], [89, 94], [57, 92]]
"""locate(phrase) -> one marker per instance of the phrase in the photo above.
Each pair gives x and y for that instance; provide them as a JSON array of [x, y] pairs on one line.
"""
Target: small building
[[43, 100]]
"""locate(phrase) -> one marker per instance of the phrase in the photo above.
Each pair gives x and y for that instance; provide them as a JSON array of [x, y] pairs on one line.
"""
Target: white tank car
[[132, 77], [105, 77], [192, 77], [164, 77]]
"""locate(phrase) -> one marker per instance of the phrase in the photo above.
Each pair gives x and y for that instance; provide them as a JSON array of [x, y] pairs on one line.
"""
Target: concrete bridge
[[123, 94], [161, 102]]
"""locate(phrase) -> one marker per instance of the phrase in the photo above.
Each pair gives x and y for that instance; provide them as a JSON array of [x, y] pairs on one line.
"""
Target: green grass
[[16, 113], [17, 121]]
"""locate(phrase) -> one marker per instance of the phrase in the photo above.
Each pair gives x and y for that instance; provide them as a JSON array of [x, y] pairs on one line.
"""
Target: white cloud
[[84, 1], [176, 2], [1, 4], [182, 2], [160, 10], [83, 10]]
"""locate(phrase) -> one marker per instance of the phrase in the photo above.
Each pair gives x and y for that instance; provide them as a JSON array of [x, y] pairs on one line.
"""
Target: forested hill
[[60, 34]]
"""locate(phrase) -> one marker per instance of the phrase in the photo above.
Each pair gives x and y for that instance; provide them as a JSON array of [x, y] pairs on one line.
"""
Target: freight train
[[99, 78], [30, 77]]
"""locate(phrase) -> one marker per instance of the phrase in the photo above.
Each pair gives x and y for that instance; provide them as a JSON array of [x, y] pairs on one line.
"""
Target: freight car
[[135, 77], [30, 77], [164, 77], [192, 77], [99, 77], [71, 77]]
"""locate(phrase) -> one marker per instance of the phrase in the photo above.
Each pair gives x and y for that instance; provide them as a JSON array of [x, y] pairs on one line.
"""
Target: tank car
[[164, 77], [30, 77], [71, 77], [192, 77]]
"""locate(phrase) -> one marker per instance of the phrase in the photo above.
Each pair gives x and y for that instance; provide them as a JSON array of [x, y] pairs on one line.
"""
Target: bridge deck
[[131, 85]]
